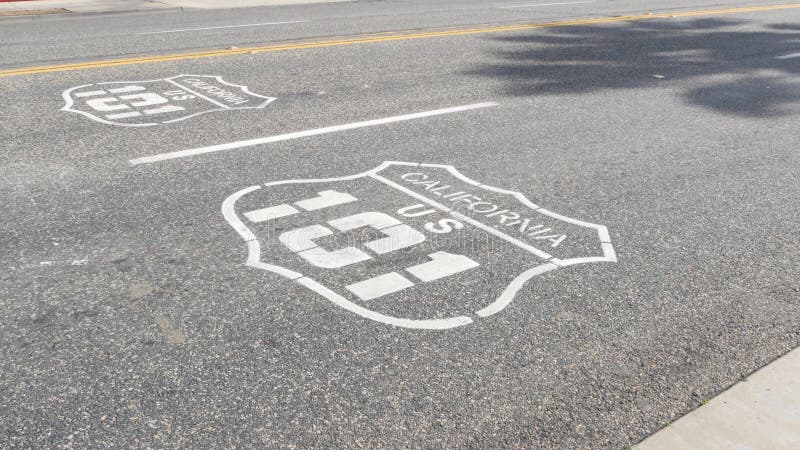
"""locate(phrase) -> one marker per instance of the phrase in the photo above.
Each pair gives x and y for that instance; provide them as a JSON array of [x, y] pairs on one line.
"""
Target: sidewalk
[[81, 6], [762, 412], [219, 4], [92, 6]]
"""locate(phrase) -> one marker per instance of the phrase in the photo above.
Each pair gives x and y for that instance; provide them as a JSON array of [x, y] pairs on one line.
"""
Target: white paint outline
[[547, 4], [222, 27], [301, 134], [505, 298], [66, 95]]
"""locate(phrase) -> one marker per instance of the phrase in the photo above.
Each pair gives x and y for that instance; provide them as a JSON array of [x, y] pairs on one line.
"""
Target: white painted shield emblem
[[410, 245], [153, 102]]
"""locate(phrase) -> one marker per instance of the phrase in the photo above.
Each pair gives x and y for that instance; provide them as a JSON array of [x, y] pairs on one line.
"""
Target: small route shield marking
[[411, 245], [154, 102]]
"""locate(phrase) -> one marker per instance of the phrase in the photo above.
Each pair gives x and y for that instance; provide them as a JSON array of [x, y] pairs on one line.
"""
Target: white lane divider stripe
[[307, 133], [789, 56], [219, 28], [547, 4]]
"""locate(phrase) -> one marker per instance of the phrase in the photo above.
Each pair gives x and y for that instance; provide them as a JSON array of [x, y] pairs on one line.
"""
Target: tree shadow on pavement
[[734, 71]]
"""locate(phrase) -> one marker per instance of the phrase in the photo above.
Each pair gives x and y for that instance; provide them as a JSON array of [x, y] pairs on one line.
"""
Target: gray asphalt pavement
[[621, 224], [50, 39]]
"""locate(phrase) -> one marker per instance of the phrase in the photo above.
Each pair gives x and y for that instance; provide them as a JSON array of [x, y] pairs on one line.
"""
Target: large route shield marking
[[411, 245], [153, 102]]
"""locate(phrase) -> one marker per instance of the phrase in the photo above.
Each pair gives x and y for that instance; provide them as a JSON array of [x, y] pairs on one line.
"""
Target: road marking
[[219, 28], [380, 286], [469, 220], [154, 102], [436, 271], [399, 36], [271, 213], [307, 133], [546, 4], [790, 56], [196, 94], [53, 263]]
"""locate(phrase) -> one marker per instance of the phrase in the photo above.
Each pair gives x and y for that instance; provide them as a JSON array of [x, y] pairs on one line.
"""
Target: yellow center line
[[372, 38]]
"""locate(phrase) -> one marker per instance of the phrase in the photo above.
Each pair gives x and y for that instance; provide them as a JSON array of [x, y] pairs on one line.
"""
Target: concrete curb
[[760, 412], [123, 6]]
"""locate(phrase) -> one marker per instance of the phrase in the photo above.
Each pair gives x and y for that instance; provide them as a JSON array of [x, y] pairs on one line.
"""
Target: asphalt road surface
[[393, 223]]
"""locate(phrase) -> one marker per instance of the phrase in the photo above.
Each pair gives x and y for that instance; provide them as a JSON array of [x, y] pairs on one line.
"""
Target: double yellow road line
[[384, 37]]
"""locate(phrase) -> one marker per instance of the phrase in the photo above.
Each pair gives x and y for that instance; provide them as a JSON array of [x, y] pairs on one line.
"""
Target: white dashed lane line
[[546, 4], [307, 133]]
